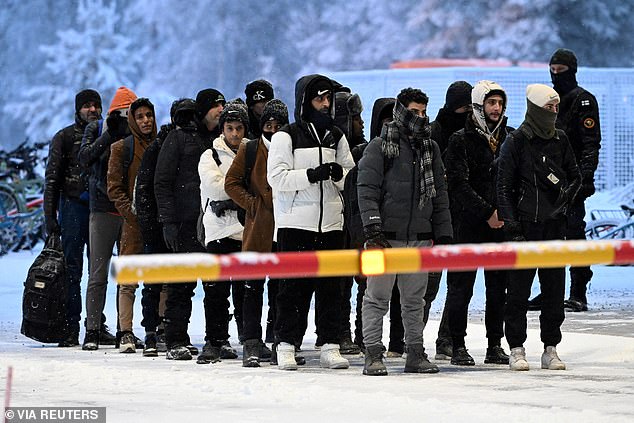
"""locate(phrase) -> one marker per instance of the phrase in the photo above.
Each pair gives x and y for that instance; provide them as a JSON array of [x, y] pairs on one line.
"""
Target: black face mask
[[563, 82], [267, 135], [322, 121]]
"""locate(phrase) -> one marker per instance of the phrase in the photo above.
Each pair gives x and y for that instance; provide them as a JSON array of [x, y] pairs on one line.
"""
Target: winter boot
[[161, 346], [374, 365], [286, 356], [331, 358], [71, 340], [251, 352], [299, 359], [417, 361], [91, 341], [150, 349], [210, 354], [395, 348], [265, 352], [536, 303], [178, 353], [444, 349], [517, 360], [496, 355], [461, 357], [127, 343], [227, 352], [551, 361]]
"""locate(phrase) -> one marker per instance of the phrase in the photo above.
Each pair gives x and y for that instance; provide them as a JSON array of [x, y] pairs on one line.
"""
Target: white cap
[[540, 94]]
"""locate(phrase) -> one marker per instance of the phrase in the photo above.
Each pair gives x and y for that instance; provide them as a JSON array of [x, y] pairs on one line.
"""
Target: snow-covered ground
[[598, 347]]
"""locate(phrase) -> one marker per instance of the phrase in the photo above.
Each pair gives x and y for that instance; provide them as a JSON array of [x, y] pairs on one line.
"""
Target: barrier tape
[[161, 268]]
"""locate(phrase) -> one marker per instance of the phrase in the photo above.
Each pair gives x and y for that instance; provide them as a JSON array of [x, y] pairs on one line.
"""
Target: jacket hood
[[185, 113], [300, 95], [134, 128], [381, 106]]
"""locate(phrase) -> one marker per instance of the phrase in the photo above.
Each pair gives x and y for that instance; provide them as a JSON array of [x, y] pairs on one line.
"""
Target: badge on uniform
[[588, 123], [585, 102]]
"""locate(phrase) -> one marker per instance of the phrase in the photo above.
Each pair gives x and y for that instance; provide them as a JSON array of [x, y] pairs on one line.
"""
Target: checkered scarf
[[416, 129]]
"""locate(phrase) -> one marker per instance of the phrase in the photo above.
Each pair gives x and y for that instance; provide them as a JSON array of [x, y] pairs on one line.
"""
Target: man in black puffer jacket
[[66, 203], [470, 162], [177, 192], [538, 179]]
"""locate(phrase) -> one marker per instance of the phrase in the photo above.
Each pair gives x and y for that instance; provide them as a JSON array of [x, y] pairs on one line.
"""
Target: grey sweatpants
[[105, 229], [376, 302]]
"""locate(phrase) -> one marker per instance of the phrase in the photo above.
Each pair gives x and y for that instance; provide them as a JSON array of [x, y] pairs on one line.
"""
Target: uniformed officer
[[579, 118]]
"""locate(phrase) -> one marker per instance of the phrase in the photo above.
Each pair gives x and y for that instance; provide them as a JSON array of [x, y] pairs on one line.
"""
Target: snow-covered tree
[[95, 54]]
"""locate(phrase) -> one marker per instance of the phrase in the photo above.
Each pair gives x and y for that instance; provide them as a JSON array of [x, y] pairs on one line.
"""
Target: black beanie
[[274, 109], [564, 57], [318, 87], [207, 99], [258, 90], [85, 96], [458, 95], [234, 111]]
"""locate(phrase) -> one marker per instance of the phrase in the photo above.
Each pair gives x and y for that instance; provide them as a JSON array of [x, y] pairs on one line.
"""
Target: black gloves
[[332, 170], [587, 189], [220, 207], [443, 240], [320, 173], [170, 236], [336, 171], [374, 237], [117, 126], [513, 231], [52, 227]]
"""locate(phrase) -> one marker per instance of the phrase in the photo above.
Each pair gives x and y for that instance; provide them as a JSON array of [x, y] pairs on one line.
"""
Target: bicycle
[[611, 224]]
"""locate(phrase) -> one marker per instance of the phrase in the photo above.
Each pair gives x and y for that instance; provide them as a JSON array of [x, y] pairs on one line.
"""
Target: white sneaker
[[551, 361], [286, 356], [517, 360], [331, 358]]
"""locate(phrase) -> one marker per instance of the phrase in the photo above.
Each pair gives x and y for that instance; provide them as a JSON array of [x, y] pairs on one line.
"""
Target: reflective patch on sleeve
[[589, 123]]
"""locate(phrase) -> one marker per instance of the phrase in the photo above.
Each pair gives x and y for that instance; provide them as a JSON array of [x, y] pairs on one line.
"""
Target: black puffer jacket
[[471, 174], [144, 200], [176, 179], [447, 122], [94, 154], [351, 213], [64, 174], [579, 118], [520, 189]]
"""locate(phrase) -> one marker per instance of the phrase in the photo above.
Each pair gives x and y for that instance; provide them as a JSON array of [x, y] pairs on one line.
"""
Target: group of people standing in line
[[224, 177]]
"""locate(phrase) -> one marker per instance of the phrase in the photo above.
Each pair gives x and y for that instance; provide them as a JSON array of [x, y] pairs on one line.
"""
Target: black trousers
[[151, 293], [460, 290], [327, 290], [552, 284], [178, 307], [216, 302], [576, 227]]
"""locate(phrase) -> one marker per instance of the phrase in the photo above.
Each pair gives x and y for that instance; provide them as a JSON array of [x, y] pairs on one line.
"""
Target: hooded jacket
[[380, 106], [212, 188], [298, 203]]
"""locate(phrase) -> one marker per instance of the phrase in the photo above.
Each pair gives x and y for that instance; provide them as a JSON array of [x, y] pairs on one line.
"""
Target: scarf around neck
[[415, 129]]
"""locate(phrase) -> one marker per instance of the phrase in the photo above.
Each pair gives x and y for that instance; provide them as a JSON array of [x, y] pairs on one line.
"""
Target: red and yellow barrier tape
[[160, 268]]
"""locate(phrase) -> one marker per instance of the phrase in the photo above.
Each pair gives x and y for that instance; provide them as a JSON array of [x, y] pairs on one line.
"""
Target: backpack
[[251, 147], [200, 226], [44, 298]]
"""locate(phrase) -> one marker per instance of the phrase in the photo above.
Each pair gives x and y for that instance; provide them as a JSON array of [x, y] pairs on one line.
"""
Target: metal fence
[[613, 88]]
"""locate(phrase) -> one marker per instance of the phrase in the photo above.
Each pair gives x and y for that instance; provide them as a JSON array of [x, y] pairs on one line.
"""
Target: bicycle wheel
[[10, 229], [598, 229]]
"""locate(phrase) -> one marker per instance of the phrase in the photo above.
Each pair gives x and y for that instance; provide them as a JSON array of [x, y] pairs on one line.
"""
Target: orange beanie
[[122, 99]]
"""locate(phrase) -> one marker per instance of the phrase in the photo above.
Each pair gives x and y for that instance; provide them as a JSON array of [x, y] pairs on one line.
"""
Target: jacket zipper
[[409, 220]]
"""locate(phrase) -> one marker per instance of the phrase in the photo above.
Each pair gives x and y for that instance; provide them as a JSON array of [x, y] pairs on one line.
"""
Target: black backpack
[[44, 299]]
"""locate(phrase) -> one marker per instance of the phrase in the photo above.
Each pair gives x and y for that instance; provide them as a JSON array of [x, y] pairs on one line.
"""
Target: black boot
[[496, 355], [210, 354], [91, 341], [461, 357], [105, 337], [251, 352], [374, 365], [347, 347], [417, 361], [71, 339]]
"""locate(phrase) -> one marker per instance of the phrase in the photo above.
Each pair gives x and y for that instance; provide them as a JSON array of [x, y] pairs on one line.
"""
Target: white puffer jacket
[[297, 203], [212, 188]]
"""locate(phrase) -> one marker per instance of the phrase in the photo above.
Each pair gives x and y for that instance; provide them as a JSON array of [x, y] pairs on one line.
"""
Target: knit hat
[[566, 57], [540, 94], [258, 90], [319, 86], [86, 96], [458, 95], [208, 99], [234, 111], [274, 110], [122, 99]]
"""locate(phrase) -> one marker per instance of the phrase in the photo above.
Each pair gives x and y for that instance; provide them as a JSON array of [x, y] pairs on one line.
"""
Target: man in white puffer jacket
[[223, 231], [307, 164]]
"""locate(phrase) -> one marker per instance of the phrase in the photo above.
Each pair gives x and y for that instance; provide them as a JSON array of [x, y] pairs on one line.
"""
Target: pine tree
[[95, 54]]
